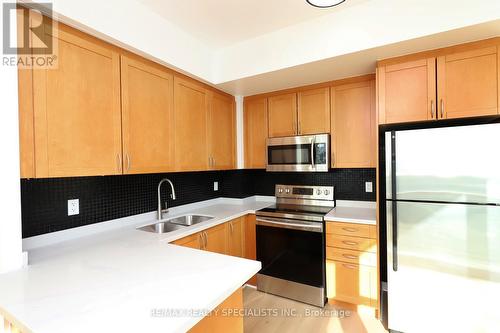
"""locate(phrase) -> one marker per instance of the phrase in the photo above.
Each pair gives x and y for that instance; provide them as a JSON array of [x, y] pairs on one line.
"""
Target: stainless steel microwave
[[307, 153]]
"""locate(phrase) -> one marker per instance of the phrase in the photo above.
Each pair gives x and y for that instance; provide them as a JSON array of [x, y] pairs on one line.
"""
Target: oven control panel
[[305, 192]]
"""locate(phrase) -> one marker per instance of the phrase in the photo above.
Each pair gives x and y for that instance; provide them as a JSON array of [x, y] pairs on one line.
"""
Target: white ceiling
[[220, 23], [251, 46]]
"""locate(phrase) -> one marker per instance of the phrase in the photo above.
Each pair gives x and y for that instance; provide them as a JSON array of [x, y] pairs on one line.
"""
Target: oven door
[[299, 153], [292, 257]]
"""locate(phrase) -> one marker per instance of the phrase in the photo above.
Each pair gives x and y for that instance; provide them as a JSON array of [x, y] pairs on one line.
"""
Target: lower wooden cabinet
[[223, 318], [250, 243], [351, 263], [216, 240], [194, 241], [236, 237]]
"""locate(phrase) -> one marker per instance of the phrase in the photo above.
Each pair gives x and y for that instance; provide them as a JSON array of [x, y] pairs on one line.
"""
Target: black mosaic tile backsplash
[[44, 201]]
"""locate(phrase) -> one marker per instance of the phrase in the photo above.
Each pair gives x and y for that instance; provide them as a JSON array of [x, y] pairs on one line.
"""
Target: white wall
[[10, 196], [240, 145], [363, 26], [133, 26]]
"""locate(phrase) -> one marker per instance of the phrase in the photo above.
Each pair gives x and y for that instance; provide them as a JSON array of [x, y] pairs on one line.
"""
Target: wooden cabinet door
[[255, 131], [236, 237], [351, 283], [221, 319], [250, 243], [222, 132], [407, 91], [468, 83], [283, 115], [147, 117], [353, 125], [193, 241], [314, 111], [190, 120], [216, 239], [77, 116]]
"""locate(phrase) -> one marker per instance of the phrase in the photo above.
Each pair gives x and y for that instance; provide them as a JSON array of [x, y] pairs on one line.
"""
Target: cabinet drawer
[[351, 283], [351, 256], [352, 243], [351, 229]]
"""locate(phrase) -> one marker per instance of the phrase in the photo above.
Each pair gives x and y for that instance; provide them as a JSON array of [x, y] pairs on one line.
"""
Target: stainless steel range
[[291, 243]]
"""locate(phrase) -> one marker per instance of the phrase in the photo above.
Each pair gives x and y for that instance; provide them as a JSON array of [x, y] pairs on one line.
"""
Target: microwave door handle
[[312, 153]]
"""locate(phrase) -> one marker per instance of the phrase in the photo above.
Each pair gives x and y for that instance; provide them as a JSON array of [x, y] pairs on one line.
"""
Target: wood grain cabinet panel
[[407, 91], [77, 116], [353, 125], [147, 117], [283, 115], [222, 132], [223, 319], [236, 237], [193, 241], [314, 111], [468, 83], [255, 132], [216, 239], [352, 283], [190, 120], [250, 243]]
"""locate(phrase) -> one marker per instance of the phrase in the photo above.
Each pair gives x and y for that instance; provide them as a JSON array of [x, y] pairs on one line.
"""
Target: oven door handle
[[288, 225]]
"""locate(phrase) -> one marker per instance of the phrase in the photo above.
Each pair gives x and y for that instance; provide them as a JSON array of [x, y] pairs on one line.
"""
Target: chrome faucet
[[160, 211]]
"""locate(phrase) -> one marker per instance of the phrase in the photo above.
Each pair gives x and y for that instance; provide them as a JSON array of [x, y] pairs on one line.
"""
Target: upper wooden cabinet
[[255, 131], [302, 113], [147, 117], [353, 133], [460, 81], [191, 102], [77, 118], [407, 91], [313, 111], [222, 132], [282, 115], [468, 83]]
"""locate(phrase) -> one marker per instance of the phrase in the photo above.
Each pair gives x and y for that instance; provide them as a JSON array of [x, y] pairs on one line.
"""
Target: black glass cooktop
[[296, 209]]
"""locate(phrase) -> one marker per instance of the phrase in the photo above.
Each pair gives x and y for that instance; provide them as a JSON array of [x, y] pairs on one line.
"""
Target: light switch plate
[[216, 186], [73, 207], [369, 187]]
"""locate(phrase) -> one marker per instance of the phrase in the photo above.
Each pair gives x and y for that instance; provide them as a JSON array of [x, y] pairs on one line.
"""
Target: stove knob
[[318, 191], [327, 192], [287, 191], [280, 190]]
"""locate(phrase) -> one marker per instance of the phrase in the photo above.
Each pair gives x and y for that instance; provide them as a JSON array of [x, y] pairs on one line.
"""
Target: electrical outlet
[[369, 187], [73, 207], [216, 186]]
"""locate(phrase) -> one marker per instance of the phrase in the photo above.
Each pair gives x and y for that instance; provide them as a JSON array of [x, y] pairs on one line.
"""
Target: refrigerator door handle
[[394, 204]]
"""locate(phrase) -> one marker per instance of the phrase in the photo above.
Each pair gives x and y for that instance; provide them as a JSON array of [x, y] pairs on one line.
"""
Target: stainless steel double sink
[[175, 223]]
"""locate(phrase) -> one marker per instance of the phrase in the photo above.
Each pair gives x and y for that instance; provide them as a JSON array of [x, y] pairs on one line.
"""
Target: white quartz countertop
[[111, 277], [353, 212]]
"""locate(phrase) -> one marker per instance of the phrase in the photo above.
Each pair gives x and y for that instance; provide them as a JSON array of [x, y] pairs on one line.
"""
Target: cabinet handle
[[350, 243], [206, 239], [231, 226], [350, 266], [213, 162], [127, 157], [348, 256], [350, 229], [298, 127], [442, 108], [432, 109], [119, 161]]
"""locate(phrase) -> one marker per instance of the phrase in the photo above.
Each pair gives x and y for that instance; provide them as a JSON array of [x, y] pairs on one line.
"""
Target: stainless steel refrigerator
[[442, 215]]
